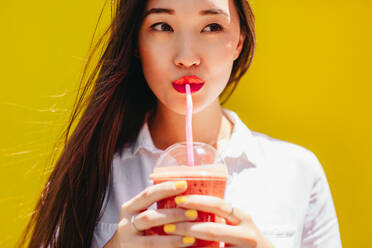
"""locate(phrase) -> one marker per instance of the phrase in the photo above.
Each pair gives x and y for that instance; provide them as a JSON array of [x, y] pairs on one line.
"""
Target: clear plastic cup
[[208, 176]]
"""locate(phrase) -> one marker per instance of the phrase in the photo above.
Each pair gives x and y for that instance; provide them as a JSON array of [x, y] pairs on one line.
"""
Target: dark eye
[[215, 27], [163, 25]]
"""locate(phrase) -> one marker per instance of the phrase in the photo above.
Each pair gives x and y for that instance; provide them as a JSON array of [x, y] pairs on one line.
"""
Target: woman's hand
[[130, 235], [240, 230]]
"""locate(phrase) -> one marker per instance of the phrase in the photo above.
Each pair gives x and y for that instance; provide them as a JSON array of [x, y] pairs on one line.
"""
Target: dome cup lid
[[173, 161]]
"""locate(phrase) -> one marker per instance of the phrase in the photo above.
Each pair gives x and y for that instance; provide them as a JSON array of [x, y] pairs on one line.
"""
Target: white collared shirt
[[281, 185]]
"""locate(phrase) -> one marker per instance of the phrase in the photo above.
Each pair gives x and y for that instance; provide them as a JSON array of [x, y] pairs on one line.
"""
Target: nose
[[186, 56]]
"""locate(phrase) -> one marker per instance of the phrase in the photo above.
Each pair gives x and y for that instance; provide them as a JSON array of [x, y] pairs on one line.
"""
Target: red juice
[[201, 180]]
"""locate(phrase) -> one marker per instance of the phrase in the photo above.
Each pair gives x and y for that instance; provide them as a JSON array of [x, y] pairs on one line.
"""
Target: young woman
[[128, 112]]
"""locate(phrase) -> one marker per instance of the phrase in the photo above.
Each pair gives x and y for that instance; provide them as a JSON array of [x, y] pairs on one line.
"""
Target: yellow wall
[[310, 83]]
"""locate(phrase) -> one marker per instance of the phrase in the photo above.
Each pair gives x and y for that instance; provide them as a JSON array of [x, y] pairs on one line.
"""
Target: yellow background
[[310, 84]]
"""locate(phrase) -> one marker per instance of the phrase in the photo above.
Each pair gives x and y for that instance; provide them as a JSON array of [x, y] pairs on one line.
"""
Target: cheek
[[220, 57], [155, 63], [219, 60], [220, 52], [152, 55]]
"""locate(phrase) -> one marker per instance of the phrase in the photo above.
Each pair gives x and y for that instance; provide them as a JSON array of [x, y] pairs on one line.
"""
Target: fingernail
[[192, 214], [188, 240], [180, 199], [181, 184], [169, 228]]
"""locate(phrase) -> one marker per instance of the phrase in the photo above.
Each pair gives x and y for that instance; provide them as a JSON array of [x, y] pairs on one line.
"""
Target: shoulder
[[277, 147], [285, 154], [279, 155]]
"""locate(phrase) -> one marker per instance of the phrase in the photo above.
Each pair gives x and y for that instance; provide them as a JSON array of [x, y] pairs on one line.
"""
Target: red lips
[[194, 81]]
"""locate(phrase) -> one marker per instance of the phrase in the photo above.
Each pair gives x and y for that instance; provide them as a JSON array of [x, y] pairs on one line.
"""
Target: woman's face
[[188, 40]]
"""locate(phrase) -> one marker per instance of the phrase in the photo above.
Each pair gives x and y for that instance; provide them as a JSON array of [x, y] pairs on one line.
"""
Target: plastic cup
[[208, 176]]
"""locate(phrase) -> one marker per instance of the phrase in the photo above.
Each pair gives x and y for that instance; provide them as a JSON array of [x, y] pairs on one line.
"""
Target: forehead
[[192, 7]]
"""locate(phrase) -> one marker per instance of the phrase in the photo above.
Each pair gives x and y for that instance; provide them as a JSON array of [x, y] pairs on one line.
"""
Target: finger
[[153, 194], [237, 235], [215, 205], [170, 241], [151, 218]]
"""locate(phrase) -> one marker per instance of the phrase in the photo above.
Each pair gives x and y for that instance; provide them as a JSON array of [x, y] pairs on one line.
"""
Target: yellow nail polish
[[180, 199], [192, 214], [181, 184], [188, 240], [169, 228]]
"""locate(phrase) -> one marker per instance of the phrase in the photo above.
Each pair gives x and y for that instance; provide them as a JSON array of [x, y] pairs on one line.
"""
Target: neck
[[208, 126]]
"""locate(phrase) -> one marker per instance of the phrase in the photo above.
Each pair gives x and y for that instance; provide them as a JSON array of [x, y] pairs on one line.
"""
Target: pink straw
[[189, 142]]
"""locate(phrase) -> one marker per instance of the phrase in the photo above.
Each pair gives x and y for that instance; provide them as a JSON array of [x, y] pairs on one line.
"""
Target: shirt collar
[[241, 145]]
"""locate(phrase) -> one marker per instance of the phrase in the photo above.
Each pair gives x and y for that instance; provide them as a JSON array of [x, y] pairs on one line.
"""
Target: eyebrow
[[172, 11]]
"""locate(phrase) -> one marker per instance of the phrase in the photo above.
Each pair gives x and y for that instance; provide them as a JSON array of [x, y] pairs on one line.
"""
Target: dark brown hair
[[107, 116]]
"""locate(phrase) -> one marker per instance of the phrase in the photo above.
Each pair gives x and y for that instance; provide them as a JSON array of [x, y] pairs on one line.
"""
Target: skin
[[186, 43], [188, 47]]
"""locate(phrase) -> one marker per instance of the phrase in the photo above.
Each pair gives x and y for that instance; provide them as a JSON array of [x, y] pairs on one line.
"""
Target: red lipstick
[[195, 84]]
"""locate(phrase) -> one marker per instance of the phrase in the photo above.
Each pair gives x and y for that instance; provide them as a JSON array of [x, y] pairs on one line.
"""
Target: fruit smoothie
[[201, 180]]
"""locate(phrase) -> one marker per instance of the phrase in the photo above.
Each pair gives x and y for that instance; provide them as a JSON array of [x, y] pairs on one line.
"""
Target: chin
[[180, 108]]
